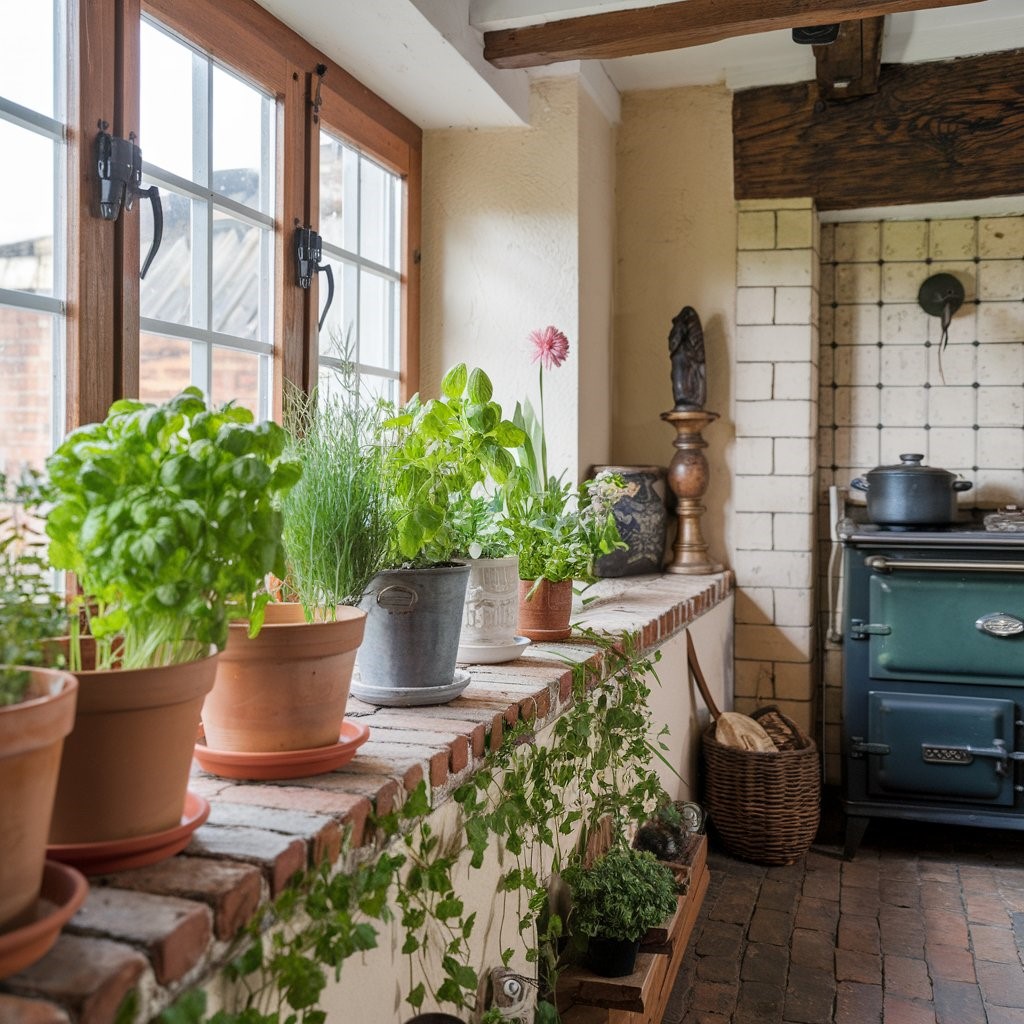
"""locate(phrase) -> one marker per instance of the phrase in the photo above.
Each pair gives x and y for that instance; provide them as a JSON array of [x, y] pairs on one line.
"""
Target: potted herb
[[436, 453], [287, 688], [166, 514], [615, 902], [37, 709], [559, 529]]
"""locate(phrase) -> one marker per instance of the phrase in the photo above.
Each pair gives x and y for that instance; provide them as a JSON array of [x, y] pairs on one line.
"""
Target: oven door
[[949, 748], [962, 627]]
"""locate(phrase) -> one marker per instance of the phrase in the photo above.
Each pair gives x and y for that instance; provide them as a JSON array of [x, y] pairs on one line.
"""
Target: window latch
[[119, 165], [309, 250]]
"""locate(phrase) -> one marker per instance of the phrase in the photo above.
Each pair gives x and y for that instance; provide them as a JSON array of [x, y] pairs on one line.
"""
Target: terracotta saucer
[[63, 892], [284, 764], [135, 851]]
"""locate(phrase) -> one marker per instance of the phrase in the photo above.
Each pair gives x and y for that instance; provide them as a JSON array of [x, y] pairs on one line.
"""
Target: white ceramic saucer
[[492, 654], [411, 696]]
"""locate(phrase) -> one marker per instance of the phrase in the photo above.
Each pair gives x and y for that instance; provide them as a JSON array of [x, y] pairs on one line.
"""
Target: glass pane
[[236, 377], [238, 286], [339, 191], [166, 131], [338, 333], [241, 135], [165, 367], [166, 292], [378, 321], [26, 71], [26, 384], [26, 211], [371, 387], [376, 214]]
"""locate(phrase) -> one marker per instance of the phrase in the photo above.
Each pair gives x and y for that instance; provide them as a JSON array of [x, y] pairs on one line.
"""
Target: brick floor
[[924, 926]]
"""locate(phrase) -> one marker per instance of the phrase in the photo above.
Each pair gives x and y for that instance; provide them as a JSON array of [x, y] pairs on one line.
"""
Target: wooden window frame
[[103, 256]]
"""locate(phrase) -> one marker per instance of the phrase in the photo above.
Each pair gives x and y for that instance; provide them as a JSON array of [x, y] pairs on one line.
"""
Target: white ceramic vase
[[489, 615]]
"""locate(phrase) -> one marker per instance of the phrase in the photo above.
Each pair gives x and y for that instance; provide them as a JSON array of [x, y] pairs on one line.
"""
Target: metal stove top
[[969, 533]]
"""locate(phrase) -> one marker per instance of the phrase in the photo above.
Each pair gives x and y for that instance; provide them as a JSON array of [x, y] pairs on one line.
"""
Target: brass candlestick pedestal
[[688, 477]]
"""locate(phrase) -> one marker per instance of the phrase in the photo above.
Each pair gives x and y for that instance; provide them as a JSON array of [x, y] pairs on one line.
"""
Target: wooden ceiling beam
[[675, 26], [850, 66]]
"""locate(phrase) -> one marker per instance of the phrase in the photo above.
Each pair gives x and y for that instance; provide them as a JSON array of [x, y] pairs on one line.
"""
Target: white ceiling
[[425, 57]]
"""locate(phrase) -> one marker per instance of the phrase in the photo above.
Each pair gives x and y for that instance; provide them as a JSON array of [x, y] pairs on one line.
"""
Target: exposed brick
[[761, 1000], [957, 1002], [858, 1004], [713, 996], [380, 758], [278, 856], [902, 931], [323, 834], [901, 1010], [232, 891], [720, 939], [810, 995], [1002, 984], [771, 926], [987, 910], [15, 1010], [858, 933], [174, 933], [762, 962], [906, 976], [777, 894], [473, 732], [718, 968], [949, 963], [807, 950], [952, 926], [380, 790], [818, 915], [996, 944], [862, 968], [88, 977], [455, 749]]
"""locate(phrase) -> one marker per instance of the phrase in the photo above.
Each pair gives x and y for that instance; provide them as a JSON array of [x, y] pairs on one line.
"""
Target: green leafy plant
[[30, 610], [438, 453], [621, 895], [167, 516], [337, 518]]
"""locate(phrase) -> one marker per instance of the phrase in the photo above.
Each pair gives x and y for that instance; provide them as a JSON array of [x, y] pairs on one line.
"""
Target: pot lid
[[911, 464]]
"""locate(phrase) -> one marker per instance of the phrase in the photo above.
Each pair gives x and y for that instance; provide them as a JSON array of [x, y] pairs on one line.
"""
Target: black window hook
[[309, 248]]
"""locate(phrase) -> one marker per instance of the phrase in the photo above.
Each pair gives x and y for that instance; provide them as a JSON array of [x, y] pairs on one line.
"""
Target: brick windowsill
[[166, 928]]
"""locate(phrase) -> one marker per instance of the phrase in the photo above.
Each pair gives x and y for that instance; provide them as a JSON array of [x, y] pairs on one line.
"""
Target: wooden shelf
[[639, 998]]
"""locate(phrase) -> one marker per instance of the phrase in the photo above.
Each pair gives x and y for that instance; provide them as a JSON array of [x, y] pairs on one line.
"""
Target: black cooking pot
[[911, 494]]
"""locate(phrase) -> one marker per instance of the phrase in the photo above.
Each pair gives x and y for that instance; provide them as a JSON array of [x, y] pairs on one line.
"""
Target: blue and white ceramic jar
[[641, 515]]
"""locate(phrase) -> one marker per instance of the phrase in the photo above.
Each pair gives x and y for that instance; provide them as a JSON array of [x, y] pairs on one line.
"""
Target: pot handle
[[962, 485], [859, 484]]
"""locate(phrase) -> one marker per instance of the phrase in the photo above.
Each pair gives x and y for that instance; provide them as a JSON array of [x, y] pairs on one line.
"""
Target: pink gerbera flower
[[551, 347]]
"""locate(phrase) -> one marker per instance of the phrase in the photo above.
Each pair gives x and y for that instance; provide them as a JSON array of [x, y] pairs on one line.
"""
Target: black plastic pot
[[612, 958], [910, 494]]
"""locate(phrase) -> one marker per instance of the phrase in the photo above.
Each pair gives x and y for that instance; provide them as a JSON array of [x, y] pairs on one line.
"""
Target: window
[[361, 227], [32, 245], [206, 305]]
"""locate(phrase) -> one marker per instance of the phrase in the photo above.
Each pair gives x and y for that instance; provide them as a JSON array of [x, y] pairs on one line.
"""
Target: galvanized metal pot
[[911, 494]]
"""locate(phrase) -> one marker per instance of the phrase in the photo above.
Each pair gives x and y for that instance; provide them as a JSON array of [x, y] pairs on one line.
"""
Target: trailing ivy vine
[[543, 804]]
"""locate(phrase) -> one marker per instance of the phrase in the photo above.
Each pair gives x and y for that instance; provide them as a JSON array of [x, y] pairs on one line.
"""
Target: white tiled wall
[[776, 420], [882, 392]]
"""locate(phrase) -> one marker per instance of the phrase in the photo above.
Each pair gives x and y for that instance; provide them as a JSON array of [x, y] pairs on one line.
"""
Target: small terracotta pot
[[126, 764], [545, 616], [31, 739], [285, 689]]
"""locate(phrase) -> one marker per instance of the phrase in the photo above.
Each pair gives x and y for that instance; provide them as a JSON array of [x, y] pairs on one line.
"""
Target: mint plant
[[167, 516]]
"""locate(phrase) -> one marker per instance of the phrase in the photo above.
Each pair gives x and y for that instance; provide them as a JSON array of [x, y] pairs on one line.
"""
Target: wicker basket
[[765, 805]]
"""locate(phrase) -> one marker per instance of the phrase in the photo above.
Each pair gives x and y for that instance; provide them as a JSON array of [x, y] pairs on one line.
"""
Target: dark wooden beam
[[675, 26], [851, 65], [933, 132]]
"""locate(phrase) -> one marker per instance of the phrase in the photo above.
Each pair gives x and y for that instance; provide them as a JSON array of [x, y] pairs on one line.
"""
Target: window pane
[[26, 211], [26, 70], [165, 367], [237, 278], [378, 321], [339, 192], [339, 328], [241, 136], [371, 387], [165, 133], [376, 213], [26, 384], [236, 375], [166, 292]]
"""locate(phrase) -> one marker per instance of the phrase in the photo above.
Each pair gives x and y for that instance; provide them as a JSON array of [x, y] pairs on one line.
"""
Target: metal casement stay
[[879, 563]]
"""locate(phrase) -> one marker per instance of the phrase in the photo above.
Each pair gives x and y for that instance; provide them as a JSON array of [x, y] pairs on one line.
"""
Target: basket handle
[[702, 684]]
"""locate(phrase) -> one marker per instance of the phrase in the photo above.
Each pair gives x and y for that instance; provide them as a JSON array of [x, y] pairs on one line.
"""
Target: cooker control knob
[[1000, 624]]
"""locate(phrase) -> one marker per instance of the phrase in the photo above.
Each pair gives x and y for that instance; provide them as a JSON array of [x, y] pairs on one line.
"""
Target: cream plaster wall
[[517, 236], [676, 246]]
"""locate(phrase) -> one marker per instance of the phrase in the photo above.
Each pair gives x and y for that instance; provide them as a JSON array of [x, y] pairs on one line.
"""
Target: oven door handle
[[879, 563]]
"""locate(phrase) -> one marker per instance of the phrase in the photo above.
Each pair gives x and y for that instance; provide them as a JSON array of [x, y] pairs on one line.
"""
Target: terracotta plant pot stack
[[545, 616]]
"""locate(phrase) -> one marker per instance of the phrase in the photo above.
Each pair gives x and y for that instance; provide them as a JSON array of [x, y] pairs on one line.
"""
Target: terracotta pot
[[126, 765], [285, 689], [545, 616], [31, 738]]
